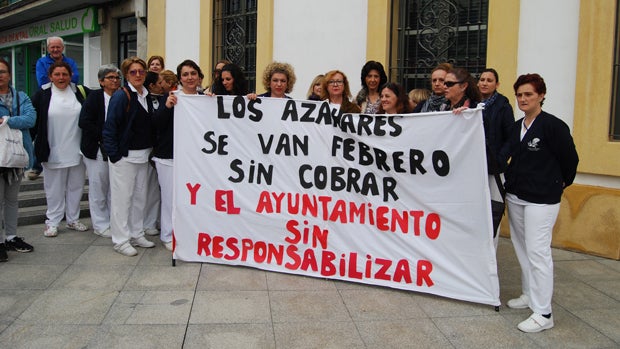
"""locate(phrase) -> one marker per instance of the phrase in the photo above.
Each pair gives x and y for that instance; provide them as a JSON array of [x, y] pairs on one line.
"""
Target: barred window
[[614, 127], [436, 31], [234, 35]]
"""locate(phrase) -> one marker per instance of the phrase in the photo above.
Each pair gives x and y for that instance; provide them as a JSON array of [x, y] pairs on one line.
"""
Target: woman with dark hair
[[57, 147], [461, 90], [232, 81], [92, 118], [16, 112], [373, 77], [498, 120], [217, 71], [394, 99], [543, 161], [335, 90], [190, 75], [128, 139]]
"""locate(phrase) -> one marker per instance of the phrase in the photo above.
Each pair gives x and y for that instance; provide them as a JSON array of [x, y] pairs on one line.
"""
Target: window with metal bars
[[234, 35], [430, 32]]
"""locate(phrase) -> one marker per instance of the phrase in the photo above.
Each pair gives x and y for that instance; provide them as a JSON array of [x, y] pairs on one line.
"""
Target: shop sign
[[81, 21]]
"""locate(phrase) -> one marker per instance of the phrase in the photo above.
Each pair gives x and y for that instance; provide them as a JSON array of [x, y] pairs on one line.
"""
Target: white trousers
[[63, 191], [531, 227], [98, 193], [153, 200], [164, 173], [128, 194]]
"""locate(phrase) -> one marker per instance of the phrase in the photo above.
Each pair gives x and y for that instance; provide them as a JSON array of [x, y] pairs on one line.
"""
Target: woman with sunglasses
[[92, 118], [128, 138], [460, 90], [335, 90]]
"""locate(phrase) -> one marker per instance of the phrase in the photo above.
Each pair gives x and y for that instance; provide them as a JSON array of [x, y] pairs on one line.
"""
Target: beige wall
[[156, 32], [589, 219]]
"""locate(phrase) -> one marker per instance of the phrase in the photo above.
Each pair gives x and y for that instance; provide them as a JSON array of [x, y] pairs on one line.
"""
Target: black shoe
[[3, 256], [18, 244]]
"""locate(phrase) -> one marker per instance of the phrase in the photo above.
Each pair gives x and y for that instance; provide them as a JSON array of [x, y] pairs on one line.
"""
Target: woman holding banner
[[190, 75], [278, 80], [543, 163], [461, 90], [335, 90]]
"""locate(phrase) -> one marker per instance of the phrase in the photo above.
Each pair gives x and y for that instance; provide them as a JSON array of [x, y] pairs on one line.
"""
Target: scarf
[[434, 103], [489, 101]]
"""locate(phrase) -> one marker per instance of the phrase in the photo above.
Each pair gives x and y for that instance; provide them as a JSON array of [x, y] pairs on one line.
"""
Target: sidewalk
[[74, 291]]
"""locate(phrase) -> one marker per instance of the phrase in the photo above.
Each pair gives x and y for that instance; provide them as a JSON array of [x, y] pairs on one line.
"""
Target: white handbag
[[12, 151]]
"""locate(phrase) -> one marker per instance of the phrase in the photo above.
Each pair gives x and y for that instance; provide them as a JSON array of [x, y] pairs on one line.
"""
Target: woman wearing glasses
[[460, 90], [217, 71], [128, 139], [335, 90], [57, 147], [92, 118]]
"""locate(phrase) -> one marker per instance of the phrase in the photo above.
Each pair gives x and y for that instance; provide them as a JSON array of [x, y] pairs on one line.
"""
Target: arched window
[[429, 32], [234, 35]]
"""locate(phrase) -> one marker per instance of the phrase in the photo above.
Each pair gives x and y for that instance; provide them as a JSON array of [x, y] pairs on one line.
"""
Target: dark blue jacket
[[543, 163], [41, 102], [117, 130]]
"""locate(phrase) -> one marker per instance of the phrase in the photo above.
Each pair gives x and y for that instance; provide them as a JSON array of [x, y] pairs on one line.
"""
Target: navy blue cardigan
[[543, 163]]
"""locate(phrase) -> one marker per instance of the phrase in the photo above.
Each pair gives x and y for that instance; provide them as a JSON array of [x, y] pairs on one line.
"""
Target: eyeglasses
[[2, 72], [451, 83], [116, 78], [335, 82], [217, 71], [136, 72]]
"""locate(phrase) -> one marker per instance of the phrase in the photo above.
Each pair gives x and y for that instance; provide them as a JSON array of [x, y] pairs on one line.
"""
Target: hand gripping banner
[[295, 186]]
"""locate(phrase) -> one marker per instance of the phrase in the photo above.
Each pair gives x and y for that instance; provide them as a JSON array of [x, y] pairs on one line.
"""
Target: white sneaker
[[141, 242], [77, 225], [168, 245], [151, 231], [106, 233], [50, 231], [519, 303], [536, 323], [125, 249]]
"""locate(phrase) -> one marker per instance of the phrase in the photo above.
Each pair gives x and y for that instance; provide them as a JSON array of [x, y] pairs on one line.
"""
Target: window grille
[[234, 35], [436, 31]]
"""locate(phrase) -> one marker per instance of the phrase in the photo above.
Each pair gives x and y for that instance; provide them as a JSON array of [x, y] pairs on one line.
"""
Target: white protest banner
[[294, 186]]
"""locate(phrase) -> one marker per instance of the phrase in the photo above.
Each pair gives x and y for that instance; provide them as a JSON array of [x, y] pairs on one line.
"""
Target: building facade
[[573, 44]]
